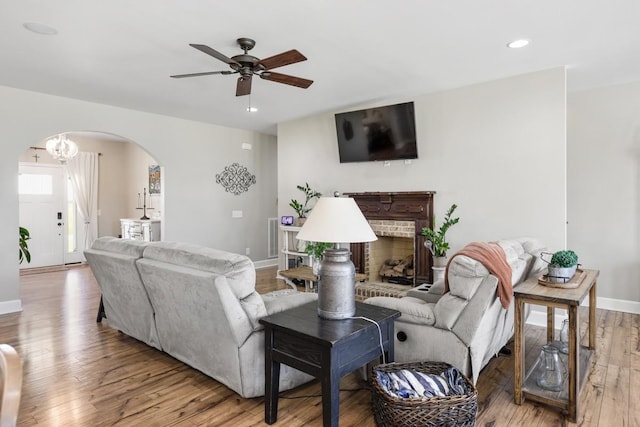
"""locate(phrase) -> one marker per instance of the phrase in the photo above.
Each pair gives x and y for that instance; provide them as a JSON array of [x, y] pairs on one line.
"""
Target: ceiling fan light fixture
[[248, 66], [517, 44]]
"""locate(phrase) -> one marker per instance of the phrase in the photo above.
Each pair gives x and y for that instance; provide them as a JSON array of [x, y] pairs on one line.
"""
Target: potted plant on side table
[[437, 242], [302, 209], [562, 266]]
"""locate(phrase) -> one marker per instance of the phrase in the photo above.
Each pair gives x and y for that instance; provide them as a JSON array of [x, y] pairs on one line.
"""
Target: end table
[[579, 356], [326, 349]]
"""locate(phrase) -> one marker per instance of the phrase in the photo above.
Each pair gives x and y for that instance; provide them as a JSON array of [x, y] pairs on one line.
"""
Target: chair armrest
[[428, 293], [278, 301], [414, 310]]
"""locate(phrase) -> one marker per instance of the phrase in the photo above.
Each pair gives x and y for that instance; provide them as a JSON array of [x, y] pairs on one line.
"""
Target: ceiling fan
[[247, 66]]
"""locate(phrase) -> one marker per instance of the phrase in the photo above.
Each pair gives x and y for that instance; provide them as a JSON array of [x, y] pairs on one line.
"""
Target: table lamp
[[336, 220]]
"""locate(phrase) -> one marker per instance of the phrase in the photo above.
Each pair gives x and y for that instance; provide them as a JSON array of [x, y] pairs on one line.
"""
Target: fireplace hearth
[[399, 215]]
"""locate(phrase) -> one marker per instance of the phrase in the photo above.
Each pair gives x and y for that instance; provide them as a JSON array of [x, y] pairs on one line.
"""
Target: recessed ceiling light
[[252, 109], [40, 28], [517, 44]]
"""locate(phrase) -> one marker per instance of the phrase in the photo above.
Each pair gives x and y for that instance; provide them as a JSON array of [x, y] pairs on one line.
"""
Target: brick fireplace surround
[[386, 208]]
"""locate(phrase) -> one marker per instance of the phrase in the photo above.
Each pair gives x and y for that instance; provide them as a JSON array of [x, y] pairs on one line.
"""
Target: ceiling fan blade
[[207, 73], [209, 51], [285, 58], [286, 79], [244, 86]]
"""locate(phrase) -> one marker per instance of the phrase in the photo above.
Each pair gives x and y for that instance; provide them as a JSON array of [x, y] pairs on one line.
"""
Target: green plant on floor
[[23, 247], [302, 209], [436, 240], [564, 259]]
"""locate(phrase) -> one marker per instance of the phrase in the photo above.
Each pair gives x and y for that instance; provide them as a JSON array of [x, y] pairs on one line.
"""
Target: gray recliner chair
[[468, 325]]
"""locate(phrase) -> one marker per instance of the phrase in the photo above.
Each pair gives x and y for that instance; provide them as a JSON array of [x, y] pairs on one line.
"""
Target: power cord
[[384, 359]]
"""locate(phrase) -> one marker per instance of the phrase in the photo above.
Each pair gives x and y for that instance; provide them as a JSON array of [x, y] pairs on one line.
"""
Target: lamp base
[[336, 285]]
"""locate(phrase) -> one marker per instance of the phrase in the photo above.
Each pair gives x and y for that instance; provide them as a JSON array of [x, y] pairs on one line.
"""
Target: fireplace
[[400, 215]]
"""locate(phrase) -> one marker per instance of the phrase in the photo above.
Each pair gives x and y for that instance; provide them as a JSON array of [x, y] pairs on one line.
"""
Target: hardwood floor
[[81, 373]]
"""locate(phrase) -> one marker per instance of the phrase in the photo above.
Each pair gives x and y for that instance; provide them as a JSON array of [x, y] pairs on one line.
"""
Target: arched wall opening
[[124, 176]]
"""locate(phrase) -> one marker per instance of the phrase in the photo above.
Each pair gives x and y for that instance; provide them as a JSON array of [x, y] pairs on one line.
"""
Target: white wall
[[604, 188], [196, 209], [496, 149]]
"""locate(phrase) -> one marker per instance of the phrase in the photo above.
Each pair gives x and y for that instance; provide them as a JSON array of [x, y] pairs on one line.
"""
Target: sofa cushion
[[448, 309], [534, 247], [414, 310], [465, 275], [518, 259], [238, 269], [133, 248]]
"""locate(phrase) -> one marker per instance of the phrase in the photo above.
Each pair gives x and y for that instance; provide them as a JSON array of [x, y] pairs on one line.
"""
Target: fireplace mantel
[[414, 206]]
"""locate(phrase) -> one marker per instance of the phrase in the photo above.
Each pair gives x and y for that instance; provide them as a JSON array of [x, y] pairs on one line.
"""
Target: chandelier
[[61, 148]]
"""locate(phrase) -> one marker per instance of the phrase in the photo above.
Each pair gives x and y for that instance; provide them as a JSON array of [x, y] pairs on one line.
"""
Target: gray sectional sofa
[[195, 303]]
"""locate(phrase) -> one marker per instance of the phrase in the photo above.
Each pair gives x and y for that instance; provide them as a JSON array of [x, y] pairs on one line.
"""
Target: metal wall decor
[[235, 179]]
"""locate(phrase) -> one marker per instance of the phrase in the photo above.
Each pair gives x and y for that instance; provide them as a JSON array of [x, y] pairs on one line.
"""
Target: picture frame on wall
[[154, 179]]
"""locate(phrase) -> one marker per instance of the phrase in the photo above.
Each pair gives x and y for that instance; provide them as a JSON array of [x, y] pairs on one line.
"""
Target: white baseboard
[[12, 306], [266, 263], [618, 305], [538, 315]]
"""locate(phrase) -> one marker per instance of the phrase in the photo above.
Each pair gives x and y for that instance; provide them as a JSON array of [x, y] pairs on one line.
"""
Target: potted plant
[[302, 209], [315, 251], [436, 240], [23, 247], [562, 266]]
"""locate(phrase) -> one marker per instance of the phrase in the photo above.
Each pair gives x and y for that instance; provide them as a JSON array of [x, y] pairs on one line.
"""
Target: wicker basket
[[457, 410]]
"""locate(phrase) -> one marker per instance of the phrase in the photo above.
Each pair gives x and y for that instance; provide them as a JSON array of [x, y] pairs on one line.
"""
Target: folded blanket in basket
[[414, 384]]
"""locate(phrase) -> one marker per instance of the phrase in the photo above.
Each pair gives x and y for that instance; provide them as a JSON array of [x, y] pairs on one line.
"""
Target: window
[[72, 223], [35, 184]]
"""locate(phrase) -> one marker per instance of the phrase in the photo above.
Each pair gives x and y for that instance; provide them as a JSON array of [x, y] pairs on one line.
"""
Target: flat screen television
[[377, 134]]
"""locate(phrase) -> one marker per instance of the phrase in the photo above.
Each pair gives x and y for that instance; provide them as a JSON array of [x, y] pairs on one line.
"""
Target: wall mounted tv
[[377, 134]]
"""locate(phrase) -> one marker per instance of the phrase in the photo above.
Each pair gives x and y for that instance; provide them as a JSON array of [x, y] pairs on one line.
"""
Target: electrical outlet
[[236, 214], [247, 251]]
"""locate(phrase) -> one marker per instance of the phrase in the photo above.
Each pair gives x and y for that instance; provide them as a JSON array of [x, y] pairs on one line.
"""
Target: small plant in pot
[[315, 251], [436, 240], [23, 246], [302, 209], [562, 266]]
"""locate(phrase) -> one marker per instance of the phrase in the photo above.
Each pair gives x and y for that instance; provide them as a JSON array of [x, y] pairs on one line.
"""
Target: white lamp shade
[[336, 220]]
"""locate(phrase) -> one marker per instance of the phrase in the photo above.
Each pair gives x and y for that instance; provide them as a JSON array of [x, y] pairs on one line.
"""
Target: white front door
[[42, 212]]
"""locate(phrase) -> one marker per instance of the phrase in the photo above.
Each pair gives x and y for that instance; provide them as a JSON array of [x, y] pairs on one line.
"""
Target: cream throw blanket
[[492, 256]]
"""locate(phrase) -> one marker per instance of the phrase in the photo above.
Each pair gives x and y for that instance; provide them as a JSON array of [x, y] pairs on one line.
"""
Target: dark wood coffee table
[[326, 349]]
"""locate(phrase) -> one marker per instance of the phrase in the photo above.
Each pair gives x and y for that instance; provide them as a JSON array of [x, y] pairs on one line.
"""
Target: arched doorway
[[123, 175]]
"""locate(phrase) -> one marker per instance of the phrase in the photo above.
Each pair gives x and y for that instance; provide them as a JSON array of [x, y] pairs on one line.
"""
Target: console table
[[579, 356], [326, 349], [140, 229]]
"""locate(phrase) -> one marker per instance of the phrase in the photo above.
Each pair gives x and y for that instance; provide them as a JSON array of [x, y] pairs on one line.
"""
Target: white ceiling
[[122, 52]]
